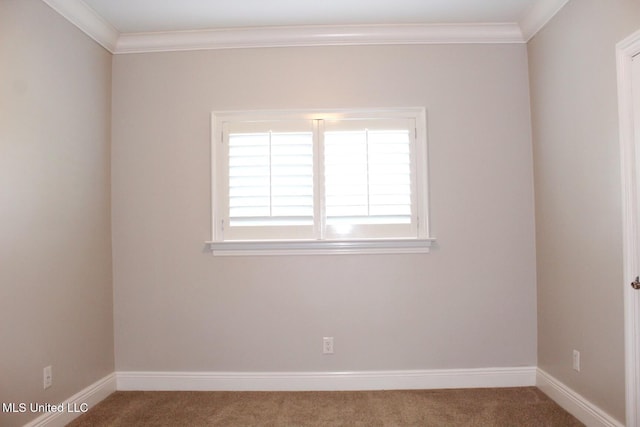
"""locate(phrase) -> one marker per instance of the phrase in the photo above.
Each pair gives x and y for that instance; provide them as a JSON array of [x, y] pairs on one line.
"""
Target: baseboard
[[77, 404], [323, 381], [574, 403]]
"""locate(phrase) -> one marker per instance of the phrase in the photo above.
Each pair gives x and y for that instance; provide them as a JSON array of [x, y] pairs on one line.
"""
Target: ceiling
[[133, 16]]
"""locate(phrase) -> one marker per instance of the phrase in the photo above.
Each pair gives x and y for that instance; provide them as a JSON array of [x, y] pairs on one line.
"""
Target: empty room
[[295, 198]]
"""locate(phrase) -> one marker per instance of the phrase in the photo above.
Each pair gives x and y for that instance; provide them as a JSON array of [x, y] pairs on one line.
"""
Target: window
[[322, 181]]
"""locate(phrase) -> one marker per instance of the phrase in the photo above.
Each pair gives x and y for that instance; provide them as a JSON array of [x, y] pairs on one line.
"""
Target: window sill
[[324, 247]]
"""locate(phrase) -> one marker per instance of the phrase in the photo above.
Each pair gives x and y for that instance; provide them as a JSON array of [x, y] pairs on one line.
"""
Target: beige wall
[[469, 304], [55, 245], [577, 182]]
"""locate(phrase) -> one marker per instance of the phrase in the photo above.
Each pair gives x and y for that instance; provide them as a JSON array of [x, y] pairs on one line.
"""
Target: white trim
[[324, 247], [95, 26], [574, 403], [86, 19], [540, 13], [91, 396], [625, 51], [320, 35], [271, 240], [324, 381], [321, 113]]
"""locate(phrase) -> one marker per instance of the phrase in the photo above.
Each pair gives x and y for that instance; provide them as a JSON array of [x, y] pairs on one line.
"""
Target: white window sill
[[324, 247]]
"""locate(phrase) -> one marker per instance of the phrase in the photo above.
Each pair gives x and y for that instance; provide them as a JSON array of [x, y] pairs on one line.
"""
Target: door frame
[[626, 50]]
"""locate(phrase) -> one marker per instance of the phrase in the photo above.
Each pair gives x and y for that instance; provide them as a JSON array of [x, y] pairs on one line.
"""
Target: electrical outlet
[[576, 360], [327, 345], [47, 375]]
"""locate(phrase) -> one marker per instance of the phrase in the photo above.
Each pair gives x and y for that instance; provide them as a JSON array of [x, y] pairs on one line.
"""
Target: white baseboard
[[574, 403], [568, 399], [323, 381], [76, 404]]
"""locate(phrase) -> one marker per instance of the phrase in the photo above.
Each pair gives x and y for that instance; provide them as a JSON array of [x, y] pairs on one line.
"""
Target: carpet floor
[[522, 406]]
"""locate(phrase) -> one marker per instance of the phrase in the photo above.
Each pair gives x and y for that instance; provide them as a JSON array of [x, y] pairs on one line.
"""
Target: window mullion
[[318, 183], [366, 141], [223, 164], [270, 175]]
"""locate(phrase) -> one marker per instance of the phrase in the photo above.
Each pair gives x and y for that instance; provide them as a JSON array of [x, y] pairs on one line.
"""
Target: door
[[633, 290], [628, 58]]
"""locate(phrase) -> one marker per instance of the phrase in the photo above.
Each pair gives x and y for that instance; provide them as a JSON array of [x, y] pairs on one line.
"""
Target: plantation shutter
[[270, 179], [334, 177], [369, 178]]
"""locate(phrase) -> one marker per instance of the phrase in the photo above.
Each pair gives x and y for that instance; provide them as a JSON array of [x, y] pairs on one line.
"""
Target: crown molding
[[539, 15], [319, 36], [87, 20]]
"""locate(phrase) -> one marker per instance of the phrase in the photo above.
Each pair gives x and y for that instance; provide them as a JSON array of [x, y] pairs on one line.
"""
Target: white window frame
[[419, 244]]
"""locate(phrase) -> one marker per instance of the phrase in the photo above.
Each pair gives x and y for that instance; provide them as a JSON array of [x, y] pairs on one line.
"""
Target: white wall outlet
[[47, 375], [327, 345], [576, 360]]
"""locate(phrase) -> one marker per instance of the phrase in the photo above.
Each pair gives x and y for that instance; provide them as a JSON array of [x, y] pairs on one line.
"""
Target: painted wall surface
[[578, 200], [56, 301], [471, 303]]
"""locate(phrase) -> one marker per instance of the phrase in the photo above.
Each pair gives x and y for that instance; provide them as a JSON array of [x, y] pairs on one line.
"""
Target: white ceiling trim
[[539, 15], [87, 20], [318, 36]]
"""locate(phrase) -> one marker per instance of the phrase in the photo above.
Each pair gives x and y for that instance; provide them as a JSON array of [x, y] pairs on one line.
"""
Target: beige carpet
[[525, 406]]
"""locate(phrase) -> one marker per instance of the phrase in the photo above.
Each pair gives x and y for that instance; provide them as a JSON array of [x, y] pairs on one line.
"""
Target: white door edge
[[625, 52]]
